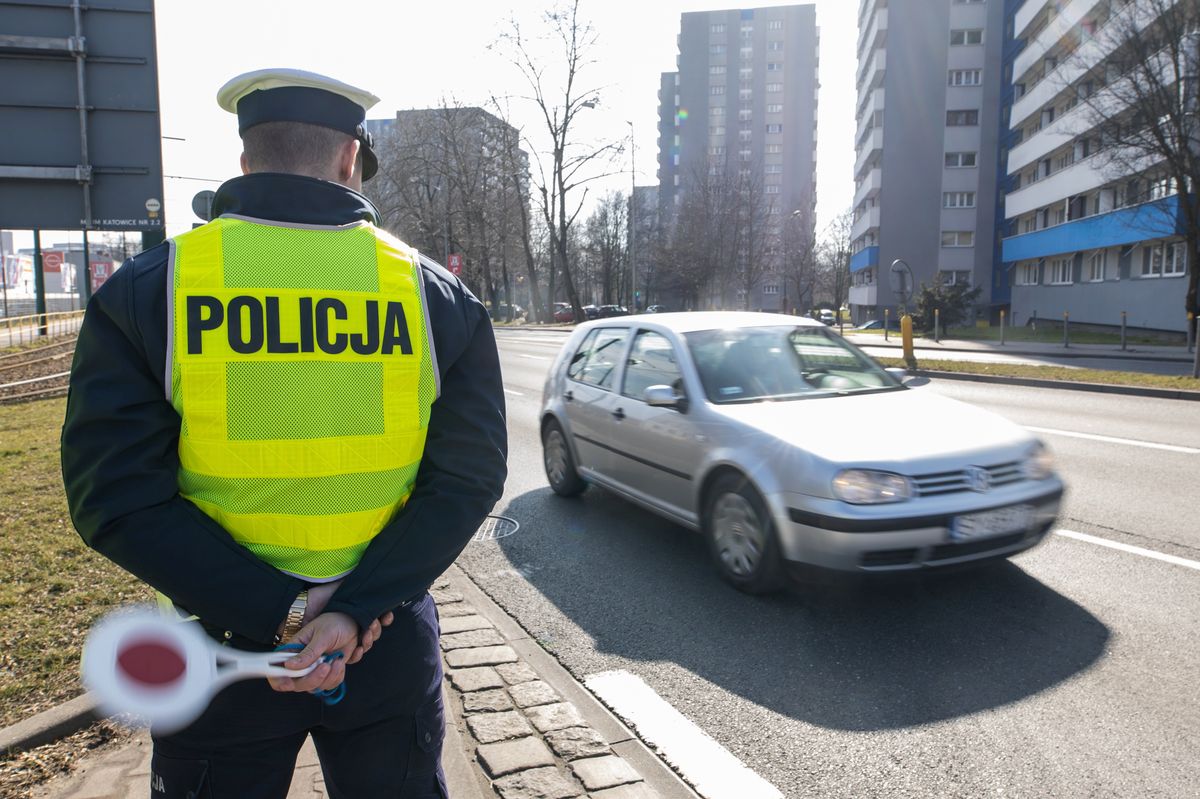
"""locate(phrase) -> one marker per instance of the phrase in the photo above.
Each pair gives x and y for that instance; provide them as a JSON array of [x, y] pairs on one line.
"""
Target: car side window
[[651, 362], [579, 359], [600, 366]]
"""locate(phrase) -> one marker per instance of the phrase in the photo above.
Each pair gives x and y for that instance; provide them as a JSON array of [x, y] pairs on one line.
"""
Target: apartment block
[[926, 147], [1084, 236], [743, 102]]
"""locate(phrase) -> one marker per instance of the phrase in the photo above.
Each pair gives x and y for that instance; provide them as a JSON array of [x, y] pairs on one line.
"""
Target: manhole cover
[[494, 527]]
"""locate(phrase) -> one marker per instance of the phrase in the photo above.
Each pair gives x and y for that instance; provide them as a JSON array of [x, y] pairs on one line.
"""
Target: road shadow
[[861, 658]]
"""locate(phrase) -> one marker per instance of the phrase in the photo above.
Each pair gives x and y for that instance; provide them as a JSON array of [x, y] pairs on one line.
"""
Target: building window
[[745, 73], [772, 189], [958, 277], [958, 199], [744, 135], [717, 28], [717, 130], [775, 128], [718, 150], [716, 90], [744, 115], [1027, 275], [966, 77], [717, 111], [774, 66], [773, 169], [961, 37], [969, 2], [771, 149], [775, 25], [962, 118], [774, 87], [775, 108], [771, 289], [1060, 272], [746, 53], [1096, 266], [960, 160], [716, 69], [744, 155], [716, 49], [775, 46], [1164, 259], [958, 238]]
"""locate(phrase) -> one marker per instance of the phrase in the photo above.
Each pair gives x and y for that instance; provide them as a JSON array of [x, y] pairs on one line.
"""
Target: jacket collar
[[282, 197]]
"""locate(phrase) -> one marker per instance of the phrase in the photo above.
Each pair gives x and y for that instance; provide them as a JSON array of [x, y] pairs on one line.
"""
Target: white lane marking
[[534, 357], [709, 767], [1113, 440], [514, 393], [1145, 553]]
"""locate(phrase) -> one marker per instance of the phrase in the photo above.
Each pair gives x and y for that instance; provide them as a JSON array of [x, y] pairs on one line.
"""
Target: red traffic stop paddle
[[142, 663]]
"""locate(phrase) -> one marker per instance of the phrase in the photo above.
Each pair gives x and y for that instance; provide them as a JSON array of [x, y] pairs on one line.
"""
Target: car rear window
[[596, 360]]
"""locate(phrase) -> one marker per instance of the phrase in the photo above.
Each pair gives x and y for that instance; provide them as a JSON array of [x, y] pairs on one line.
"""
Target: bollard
[[906, 337], [1001, 327], [1066, 329], [937, 325], [1122, 331], [885, 323], [1191, 331]]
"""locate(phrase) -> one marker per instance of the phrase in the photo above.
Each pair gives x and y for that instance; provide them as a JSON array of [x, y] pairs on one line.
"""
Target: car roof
[[691, 321]]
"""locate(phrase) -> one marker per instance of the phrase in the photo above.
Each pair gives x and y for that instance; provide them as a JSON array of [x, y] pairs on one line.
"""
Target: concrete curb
[[49, 725], [1116, 355], [1097, 388]]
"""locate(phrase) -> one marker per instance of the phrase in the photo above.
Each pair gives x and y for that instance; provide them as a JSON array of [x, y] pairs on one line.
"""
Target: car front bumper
[[833, 535]]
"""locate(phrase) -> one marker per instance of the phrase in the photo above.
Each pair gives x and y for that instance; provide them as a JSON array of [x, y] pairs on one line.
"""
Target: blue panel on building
[[1153, 220], [864, 258]]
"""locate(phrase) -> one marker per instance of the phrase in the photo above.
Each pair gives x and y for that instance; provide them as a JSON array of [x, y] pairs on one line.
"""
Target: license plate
[[997, 521]]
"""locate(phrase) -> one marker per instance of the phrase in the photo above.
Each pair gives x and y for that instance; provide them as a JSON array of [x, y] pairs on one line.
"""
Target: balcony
[[1026, 14], [869, 220], [871, 68], [863, 295], [868, 104], [1067, 20], [1152, 220], [1079, 178], [868, 149], [864, 258], [868, 186], [866, 37]]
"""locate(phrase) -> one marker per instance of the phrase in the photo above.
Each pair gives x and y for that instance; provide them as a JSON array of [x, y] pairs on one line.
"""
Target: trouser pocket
[[176, 778]]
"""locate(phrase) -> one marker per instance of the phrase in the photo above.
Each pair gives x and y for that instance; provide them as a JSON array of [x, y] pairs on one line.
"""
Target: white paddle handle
[[233, 665]]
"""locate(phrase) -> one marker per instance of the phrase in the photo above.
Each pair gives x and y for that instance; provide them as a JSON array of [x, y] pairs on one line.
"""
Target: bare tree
[[605, 246], [834, 260], [559, 100], [798, 257], [1141, 114]]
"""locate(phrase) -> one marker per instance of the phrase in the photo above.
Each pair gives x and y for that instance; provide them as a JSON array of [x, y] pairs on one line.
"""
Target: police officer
[[289, 423]]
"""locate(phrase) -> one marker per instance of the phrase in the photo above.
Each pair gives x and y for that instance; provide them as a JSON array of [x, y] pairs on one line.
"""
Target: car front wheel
[[559, 463], [741, 536]]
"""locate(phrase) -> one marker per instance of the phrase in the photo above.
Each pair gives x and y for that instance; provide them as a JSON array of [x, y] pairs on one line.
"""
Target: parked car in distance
[[563, 312], [827, 316], [608, 311], [787, 446], [503, 313], [657, 309], [591, 312], [877, 324]]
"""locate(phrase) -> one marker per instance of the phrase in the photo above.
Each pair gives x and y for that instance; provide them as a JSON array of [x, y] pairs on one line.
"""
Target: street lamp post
[[632, 217]]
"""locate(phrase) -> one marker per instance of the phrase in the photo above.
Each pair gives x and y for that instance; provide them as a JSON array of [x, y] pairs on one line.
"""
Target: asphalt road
[[1070, 671]]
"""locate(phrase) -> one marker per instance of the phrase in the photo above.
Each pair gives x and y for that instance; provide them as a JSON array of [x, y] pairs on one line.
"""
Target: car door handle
[[569, 395], [619, 413]]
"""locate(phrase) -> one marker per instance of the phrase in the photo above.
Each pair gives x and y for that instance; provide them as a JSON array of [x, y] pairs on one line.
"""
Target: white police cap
[[295, 95]]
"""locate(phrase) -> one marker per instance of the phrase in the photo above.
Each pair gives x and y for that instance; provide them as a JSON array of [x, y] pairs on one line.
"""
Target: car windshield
[[754, 364]]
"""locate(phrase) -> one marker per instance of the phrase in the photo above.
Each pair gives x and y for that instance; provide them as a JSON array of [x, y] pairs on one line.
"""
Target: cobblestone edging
[[528, 741]]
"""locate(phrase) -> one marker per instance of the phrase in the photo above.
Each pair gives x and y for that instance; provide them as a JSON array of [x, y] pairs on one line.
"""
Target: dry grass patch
[[1066, 374]]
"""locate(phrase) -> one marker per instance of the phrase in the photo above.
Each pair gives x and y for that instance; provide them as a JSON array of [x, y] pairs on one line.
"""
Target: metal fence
[[18, 330]]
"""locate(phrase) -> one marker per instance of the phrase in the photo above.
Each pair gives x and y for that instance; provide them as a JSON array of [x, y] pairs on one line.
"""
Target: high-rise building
[[742, 106], [927, 148], [1086, 235]]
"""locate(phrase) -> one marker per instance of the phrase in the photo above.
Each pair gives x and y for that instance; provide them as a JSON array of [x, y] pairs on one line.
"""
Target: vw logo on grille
[[978, 479]]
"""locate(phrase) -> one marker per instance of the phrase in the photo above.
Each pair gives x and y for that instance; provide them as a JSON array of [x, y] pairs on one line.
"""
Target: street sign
[[202, 204], [455, 263], [80, 117], [52, 260]]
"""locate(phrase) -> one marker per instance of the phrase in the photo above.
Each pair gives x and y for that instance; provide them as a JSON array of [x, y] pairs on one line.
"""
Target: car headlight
[[1040, 463], [867, 487]]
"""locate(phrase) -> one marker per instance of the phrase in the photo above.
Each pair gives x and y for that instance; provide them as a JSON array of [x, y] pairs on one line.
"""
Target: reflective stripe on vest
[[301, 365]]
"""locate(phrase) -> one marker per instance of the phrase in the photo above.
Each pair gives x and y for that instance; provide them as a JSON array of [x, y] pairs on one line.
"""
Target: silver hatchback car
[[788, 446]]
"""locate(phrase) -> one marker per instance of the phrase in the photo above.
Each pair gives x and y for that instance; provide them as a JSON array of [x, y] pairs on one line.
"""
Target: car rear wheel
[[741, 536], [559, 463]]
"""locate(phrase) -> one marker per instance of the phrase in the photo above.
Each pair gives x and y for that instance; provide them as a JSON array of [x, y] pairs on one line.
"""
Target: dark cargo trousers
[[383, 739]]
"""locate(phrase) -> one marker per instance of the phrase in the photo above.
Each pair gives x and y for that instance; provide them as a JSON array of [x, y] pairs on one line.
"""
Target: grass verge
[[52, 587], [1064, 374]]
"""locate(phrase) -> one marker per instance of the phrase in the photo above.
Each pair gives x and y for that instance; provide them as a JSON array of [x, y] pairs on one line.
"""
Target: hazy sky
[[412, 55]]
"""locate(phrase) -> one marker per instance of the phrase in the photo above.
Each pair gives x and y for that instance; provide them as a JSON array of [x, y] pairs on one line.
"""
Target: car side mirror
[[665, 397]]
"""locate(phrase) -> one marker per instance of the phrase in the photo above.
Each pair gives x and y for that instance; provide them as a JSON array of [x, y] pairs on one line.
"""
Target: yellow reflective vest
[[301, 365]]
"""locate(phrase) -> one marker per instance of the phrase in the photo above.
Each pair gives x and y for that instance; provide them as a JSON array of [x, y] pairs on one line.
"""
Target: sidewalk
[[1135, 352], [517, 726]]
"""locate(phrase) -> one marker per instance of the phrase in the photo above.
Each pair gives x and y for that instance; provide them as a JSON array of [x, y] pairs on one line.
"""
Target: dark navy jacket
[[121, 435]]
